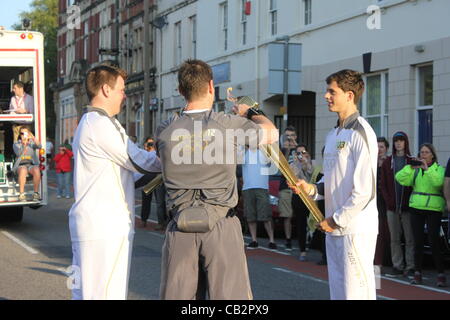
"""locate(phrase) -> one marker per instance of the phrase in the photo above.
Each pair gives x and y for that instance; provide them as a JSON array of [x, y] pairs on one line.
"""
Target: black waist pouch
[[199, 219]]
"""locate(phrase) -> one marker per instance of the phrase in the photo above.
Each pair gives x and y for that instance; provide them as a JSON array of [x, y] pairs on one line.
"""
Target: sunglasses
[[302, 152]]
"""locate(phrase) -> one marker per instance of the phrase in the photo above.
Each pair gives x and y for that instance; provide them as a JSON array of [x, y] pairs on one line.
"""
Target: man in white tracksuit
[[349, 188], [102, 218]]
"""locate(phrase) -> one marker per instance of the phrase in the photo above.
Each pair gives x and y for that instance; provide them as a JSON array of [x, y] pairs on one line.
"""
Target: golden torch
[[274, 153]]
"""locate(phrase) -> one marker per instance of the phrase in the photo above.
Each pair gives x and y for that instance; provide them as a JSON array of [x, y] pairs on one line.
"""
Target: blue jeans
[[63, 181]]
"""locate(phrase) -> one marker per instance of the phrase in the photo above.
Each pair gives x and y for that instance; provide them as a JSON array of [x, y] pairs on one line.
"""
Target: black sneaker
[[288, 245], [272, 246], [394, 273], [252, 245]]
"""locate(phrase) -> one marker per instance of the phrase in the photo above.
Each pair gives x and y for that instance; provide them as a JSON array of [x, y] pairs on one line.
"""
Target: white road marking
[[20, 243], [419, 286], [301, 275], [316, 279]]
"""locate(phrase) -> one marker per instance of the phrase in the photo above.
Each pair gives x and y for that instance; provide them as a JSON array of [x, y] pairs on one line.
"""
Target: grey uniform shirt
[[198, 156]]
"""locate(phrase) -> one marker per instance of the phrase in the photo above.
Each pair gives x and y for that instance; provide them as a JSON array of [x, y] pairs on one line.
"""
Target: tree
[[44, 18]]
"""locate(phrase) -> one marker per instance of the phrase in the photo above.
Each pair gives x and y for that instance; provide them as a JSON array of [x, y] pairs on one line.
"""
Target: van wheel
[[14, 214]]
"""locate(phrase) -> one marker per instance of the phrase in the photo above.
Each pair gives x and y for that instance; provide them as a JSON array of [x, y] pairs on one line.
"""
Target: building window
[[424, 76], [193, 20], [374, 103], [68, 119], [244, 22], [273, 17], [308, 11], [224, 13], [178, 43]]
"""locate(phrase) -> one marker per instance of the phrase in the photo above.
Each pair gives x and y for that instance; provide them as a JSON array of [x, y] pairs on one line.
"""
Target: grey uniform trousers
[[222, 252]]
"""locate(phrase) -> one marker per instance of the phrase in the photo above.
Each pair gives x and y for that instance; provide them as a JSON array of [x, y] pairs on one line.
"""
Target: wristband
[[254, 112]]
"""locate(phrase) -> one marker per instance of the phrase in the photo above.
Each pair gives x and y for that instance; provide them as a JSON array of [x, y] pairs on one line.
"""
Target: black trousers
[[433, 221], [302, 213], [160, 197]]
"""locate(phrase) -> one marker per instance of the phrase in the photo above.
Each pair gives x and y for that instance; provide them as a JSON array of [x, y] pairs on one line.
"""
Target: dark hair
[[100, 75], [348, 80], [290, 128], [302, 145], [384, 140], [19, 84], [432, 149], [148, 138], [193, 78], [399, 136]]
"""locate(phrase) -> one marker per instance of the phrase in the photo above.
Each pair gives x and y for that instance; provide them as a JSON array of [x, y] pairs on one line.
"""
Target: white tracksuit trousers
[[351, 272], [102, 268]]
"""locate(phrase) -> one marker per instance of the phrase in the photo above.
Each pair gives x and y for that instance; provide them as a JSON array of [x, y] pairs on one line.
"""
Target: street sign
[[276, 68]]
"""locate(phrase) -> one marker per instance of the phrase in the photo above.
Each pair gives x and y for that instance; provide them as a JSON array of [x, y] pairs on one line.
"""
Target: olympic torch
[[273, 153]]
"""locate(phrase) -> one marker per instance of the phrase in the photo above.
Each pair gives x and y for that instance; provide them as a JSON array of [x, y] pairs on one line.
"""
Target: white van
[[21, 59]]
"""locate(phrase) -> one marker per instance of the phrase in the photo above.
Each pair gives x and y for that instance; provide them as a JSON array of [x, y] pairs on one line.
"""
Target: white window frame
[[417, 98], [243, 23], [178, 43], [224, 25], [193, 21], [384, 114], [307, 5], [67, 111], [86, 41], [273, 14]]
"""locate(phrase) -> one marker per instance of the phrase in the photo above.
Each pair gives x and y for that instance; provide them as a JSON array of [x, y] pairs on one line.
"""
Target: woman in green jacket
[[427, 204]]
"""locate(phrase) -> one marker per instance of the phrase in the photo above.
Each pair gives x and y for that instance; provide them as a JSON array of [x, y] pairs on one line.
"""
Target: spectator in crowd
[[255, 192], [285, 194], [303, 169], [396, 197], [27, 162], [160, 196], [383, 228], [427, 205], [20, 103], [447, 192], [63, 166]]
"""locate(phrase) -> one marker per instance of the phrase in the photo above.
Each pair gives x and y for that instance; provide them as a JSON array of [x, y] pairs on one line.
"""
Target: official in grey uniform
[[198, 156]]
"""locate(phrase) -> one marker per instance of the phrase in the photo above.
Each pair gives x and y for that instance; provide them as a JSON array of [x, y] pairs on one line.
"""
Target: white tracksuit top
[[350, 170], [103, 179]]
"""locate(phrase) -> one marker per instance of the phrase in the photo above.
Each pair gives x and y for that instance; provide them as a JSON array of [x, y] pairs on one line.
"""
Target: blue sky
[[10, 10]]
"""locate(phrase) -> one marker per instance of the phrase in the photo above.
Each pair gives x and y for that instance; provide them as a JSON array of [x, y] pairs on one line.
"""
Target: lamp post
[[285, 40], [147, 123], [159, 23]]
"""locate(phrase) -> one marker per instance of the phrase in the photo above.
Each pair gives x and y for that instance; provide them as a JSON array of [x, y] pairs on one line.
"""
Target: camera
[[416, 163]]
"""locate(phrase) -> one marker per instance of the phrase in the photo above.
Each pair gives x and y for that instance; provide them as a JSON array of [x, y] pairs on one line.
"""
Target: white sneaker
[[58, 197], [22, 197]]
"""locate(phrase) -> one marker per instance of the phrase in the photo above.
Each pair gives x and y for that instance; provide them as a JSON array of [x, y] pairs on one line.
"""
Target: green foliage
[[43, 15]]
